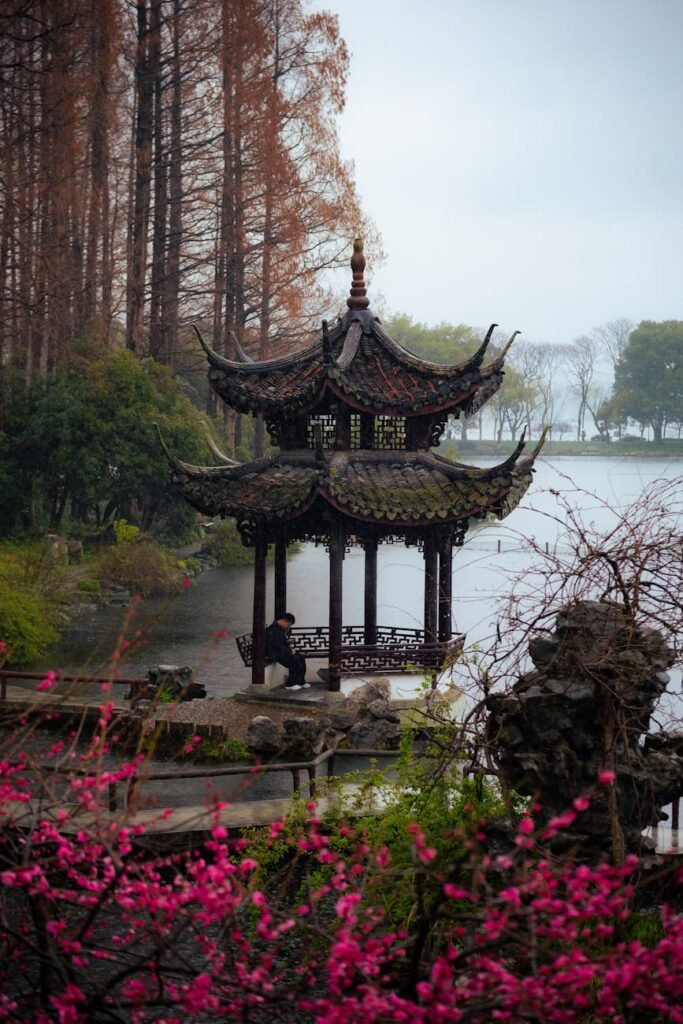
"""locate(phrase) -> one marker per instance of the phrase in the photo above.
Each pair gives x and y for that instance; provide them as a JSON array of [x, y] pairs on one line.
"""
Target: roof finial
[[358, 298]]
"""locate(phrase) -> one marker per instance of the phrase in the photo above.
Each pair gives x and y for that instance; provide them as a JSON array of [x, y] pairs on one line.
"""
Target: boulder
[[375, 734], [307, 737], [264, 736], [380, 709], [597, 672], [374, 689], [172, 682], [342, 717]]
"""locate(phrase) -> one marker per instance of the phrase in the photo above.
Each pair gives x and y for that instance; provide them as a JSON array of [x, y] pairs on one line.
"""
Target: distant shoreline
[[672, 449]]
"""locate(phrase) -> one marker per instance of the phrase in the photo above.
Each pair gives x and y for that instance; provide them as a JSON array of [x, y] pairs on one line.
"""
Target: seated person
[[280, 649]]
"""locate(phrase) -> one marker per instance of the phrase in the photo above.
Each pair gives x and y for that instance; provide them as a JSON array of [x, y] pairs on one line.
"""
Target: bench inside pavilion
[[355, 418]]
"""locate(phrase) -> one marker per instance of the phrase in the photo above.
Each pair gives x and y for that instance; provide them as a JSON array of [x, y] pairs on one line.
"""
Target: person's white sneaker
[[295, 687], [305, 686]]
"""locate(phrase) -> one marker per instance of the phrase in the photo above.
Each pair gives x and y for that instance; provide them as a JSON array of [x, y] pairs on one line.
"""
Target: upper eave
[[360, 363]]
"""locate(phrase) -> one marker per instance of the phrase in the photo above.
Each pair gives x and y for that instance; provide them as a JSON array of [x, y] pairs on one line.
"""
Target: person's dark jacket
[[277, 643]]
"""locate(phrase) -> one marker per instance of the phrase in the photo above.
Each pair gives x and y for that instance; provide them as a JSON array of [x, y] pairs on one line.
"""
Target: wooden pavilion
[[355, 417]]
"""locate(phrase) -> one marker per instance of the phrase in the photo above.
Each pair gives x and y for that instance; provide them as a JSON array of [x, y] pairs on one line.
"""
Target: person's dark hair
[[289, 617]]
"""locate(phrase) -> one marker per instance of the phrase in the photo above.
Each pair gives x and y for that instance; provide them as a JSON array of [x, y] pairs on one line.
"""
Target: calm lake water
[[181, 630]]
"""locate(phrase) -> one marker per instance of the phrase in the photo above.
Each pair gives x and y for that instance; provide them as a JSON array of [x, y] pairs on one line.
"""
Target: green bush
[[189, 566], [125, 531], [30, 589], [227, 749], [224, 544], [424, 785], [88, 586], [142, 566], [83, 448], [28, 614]]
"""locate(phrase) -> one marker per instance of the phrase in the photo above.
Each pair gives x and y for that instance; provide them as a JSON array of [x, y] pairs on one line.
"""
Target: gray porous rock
[[374, 734], [374, 689], [264, 736], [380, 709], [341, 718], [306, 737], [170, 682], [594, 688]]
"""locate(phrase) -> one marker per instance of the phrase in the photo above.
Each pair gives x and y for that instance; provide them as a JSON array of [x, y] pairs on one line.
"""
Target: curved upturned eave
[[463, 400], [404, 355], [324, 476], [310, 398], [476, 472], [266, 366], [473, 512], [237, 382], [195, 484]]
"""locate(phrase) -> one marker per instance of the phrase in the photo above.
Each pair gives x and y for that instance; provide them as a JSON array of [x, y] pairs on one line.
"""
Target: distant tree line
[[646, 363]]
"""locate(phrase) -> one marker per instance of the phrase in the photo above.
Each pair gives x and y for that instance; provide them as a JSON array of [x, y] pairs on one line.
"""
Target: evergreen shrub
[[142, 566]]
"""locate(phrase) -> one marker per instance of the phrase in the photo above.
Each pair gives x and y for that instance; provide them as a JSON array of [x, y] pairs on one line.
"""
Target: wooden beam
[[431, 558], [336, 594], [371, 592], [367, 430], [258, 630], [343, 431]]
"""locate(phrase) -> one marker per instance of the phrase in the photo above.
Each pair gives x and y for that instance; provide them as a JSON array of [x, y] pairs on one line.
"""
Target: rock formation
[[365, 719], [586, 707]]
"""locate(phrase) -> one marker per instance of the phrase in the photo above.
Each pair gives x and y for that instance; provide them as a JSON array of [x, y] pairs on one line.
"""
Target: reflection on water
[[181, 630]]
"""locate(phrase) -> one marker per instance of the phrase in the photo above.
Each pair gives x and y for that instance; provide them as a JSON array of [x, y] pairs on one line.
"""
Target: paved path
[[192, 823], [24, 698]]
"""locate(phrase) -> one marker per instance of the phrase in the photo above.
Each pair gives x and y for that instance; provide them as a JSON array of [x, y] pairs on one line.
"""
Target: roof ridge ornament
[[216, 357], [478, 357], [508, 346], [241, 354], [218, 453], [358, 298], [328, 355]]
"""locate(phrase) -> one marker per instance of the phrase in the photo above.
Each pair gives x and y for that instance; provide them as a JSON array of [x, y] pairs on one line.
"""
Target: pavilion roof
[[358, 361], [400, 489]]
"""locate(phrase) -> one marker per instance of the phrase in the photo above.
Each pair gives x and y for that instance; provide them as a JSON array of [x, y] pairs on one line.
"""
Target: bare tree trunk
[[175, 201], [222, 298], [144, 78], [159, 171]]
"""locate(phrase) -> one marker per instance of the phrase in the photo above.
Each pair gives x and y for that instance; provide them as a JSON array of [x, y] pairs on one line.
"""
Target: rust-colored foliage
[[167, 162]]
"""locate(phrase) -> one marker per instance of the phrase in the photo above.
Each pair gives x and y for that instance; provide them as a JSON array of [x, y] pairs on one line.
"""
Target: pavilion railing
[[397, 649]]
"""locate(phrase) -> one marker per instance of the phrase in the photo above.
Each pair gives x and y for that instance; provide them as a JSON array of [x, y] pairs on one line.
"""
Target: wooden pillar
[[336, 593], [343, 431], [280, 596], [258, 629], [445, 589], [431, 557], [371, 592], [367, 430]]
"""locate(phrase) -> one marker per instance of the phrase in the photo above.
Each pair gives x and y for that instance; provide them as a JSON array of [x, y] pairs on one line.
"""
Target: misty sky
[[521, 158]]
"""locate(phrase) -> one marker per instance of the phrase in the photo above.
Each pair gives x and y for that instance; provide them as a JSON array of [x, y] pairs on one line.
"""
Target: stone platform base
[[406, 691]]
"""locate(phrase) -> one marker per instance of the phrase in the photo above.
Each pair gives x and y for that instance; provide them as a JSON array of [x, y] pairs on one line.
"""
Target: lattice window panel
[[355, 430], [328, 430], [390, 433]]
